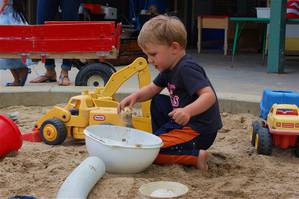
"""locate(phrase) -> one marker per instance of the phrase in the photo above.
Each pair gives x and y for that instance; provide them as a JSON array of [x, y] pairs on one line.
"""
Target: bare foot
[[202, 160], [64, 81], [64, 78]]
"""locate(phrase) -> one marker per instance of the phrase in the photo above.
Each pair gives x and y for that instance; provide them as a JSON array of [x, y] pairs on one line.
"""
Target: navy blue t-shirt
[[183, 82]]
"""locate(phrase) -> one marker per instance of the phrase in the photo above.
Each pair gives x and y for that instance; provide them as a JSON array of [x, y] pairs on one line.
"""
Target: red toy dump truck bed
[[73, 40]]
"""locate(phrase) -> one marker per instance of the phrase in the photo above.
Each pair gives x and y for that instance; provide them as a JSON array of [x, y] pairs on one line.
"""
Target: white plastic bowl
[[123, 150], [163, 189]]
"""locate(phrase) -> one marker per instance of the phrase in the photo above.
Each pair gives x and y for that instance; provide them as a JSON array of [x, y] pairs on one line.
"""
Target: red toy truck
[[281, 129]]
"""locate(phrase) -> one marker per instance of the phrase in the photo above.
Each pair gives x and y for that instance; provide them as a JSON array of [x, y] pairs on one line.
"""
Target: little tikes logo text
[[99, 117]]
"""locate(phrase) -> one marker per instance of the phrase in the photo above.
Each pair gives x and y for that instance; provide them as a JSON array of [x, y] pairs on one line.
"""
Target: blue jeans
[[47, 10], [160, 107]]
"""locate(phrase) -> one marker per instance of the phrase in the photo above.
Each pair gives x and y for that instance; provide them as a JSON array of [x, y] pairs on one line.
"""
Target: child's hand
[[180, 116], [128, 101]]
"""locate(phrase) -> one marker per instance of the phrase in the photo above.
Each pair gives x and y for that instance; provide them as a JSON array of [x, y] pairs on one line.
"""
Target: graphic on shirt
[[173, 98]]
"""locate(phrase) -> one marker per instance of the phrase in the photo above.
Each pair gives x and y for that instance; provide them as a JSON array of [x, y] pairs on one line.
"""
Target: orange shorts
[[180, 147]]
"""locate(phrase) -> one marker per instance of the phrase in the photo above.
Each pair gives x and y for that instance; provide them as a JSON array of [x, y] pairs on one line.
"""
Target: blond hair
[[163, 30]]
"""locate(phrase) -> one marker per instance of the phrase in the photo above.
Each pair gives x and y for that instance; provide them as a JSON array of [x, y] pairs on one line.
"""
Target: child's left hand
[[180, 116]]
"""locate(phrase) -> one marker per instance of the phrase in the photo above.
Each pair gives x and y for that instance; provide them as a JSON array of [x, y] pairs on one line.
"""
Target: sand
[[235, 170]]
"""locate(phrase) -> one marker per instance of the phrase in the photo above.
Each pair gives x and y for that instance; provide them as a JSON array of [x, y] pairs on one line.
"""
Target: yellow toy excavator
[[95, 107]]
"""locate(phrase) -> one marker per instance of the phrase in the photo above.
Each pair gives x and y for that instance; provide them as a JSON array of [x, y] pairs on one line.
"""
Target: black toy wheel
[[255, 127], [263, 142], [94, 74], [53, 132]]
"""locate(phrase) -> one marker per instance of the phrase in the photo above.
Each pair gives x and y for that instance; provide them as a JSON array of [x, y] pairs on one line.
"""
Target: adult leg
[[160, 107], [64, 77], [70, 10], [50, 69], [15, 75], [23, 74], [47, 11], [49, 76], [20, 76], [14, 65]]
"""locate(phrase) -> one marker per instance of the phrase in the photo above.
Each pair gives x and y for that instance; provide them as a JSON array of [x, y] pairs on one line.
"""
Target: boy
[[188, 120]]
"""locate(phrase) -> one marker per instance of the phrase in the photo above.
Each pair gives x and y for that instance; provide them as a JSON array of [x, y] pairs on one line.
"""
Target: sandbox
[[235, 170]]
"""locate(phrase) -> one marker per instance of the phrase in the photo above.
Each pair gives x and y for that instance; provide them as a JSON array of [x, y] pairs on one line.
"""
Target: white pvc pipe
[[79, 183]]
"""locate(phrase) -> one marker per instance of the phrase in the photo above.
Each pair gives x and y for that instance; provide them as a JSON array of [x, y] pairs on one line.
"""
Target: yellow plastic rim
[[250, 133], [50, 132], [256, 140]]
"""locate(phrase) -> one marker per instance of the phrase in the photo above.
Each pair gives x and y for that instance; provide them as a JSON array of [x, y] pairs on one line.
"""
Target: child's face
[[161, 56]]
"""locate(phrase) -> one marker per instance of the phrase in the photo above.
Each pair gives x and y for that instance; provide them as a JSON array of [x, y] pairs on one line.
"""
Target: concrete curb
[[239, 103], [51, 95]]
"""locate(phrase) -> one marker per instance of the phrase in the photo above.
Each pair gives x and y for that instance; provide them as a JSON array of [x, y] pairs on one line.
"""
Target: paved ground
[[247, 77]]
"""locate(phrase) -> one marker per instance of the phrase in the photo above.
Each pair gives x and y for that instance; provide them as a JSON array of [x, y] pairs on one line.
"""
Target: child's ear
[[175, 46]]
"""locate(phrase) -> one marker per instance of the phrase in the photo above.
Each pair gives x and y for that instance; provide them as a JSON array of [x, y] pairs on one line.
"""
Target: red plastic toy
[[66, 40], [10, 136], [281, 129], [34, 41]]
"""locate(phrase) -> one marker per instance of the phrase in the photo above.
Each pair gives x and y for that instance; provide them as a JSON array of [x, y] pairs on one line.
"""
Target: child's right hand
[[180, 116], [128, 101]]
